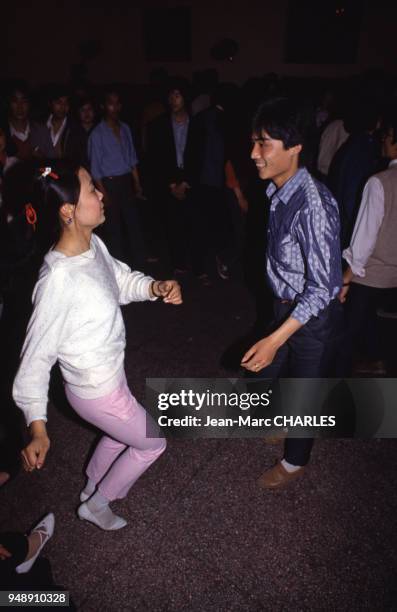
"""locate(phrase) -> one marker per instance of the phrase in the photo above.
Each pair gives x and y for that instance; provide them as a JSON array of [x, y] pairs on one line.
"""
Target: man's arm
[[366, 229], [263, 352]]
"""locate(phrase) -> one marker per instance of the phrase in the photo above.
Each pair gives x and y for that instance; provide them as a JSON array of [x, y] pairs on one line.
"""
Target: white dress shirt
[[369, 220], [55, 137]]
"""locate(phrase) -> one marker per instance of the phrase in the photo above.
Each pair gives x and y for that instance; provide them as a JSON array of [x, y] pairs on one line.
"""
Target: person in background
[[114, 167], [62, 138], [86, 115], [370, 280], [172, 167], [24, 133], [353, 163]]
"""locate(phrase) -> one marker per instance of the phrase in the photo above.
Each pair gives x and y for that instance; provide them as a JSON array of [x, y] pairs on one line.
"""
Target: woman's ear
[[67, 212]]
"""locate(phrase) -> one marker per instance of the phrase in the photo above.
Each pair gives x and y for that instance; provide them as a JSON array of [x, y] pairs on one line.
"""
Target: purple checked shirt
[[303, 251]]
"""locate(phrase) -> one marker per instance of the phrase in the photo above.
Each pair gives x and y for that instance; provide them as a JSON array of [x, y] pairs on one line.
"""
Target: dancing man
[[303, 267]]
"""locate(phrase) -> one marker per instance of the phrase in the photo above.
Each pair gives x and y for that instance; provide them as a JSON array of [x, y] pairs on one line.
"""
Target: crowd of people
[[180, 183]]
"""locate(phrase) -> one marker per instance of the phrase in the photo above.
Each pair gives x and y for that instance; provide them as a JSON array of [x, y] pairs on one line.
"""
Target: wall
[[259, 27]]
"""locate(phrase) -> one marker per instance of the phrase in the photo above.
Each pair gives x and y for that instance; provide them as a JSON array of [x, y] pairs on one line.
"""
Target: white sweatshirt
[[77, 320]]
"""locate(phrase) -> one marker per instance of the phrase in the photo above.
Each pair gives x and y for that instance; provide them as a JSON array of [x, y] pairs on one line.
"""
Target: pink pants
[[125, 452]]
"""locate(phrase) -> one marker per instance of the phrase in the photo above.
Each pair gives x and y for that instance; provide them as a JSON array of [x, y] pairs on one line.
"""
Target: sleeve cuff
[[355, 268], [301, 314]]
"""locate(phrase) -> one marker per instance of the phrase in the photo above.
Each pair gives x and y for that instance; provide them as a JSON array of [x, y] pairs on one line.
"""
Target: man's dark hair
[[111, 90], [282, 120], [18, 87], [58, 91], [182, 85]]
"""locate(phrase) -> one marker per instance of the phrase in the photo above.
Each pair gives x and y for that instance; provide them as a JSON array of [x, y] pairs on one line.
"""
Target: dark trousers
[[304, 355], [185, 233], [122, 230], [216, 212], [363, 333]]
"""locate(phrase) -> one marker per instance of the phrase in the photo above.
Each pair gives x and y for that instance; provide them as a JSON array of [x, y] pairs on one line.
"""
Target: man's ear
[[296, 149]]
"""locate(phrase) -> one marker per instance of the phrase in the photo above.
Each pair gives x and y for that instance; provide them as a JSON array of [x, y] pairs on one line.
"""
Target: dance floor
[[201, 535]]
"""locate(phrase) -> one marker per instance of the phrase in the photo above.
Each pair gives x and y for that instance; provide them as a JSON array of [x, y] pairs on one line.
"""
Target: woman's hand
[[169, 290], [34, 454]]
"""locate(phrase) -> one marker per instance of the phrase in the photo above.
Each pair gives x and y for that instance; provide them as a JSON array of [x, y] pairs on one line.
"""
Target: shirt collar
[[20, 135], [392, 163], [286, 191]]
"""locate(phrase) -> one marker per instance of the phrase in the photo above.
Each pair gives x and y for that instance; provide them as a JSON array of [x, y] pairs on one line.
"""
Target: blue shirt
[[109, 156], [303, 252], [180, 137]]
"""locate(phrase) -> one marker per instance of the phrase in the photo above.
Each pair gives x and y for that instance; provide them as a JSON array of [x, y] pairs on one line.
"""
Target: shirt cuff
[[30, 420], [355, 267], [301, 314]]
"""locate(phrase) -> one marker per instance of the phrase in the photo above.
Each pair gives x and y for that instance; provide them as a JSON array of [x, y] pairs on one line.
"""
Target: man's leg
[[307, 348]]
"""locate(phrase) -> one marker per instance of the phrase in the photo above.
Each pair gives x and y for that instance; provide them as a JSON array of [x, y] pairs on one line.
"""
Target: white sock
[[97, 502], [100, 513], [289, 467], [89, 488]]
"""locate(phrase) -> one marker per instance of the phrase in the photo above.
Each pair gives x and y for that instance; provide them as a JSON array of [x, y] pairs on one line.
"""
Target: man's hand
[[34, 454], [178, 190], [4, 553], [343, 294], [347, 278], [260, 355], [169, 290]]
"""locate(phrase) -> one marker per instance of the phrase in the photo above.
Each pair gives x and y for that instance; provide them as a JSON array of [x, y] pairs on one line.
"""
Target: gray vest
[[381, 267]]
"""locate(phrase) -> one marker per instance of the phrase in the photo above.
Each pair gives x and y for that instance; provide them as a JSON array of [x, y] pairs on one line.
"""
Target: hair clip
[[31, 215], [48, 172]]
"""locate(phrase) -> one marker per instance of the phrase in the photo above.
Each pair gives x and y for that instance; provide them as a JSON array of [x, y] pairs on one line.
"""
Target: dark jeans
[[122, 230], [304, 355]]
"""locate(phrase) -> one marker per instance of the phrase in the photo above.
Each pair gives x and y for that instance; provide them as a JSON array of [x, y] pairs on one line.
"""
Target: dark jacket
[[73, 144], [161, 162]]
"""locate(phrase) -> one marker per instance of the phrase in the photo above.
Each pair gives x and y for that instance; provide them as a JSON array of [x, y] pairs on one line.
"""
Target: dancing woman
[[77, 321]]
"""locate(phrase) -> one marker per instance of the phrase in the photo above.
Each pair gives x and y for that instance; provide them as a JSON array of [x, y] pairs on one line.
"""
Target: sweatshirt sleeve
[[40, 350], [133, 286]]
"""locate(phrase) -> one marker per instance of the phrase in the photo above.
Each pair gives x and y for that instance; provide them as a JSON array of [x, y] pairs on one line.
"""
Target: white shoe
[[45, 529], [104, 518]]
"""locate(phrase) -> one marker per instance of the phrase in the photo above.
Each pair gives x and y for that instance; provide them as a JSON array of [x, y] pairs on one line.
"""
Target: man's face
[[19, 107], [389, 148], [86, 113], [176, 101], [273, 161], [60, 108], [112, 106]]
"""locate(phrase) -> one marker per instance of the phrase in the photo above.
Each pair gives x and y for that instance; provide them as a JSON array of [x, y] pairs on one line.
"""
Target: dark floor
[[201, 536]]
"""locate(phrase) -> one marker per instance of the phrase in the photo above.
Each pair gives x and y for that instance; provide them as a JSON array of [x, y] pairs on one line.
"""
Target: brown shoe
[[278, 477]]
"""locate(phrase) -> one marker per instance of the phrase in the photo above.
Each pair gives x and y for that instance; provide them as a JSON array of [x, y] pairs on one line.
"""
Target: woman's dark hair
[[50, 190], [282, 120]]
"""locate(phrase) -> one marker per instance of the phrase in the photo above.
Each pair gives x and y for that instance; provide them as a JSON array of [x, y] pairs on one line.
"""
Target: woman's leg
[[126, 451]]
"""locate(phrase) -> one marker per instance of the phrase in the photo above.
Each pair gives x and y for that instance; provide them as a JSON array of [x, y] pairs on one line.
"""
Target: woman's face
[[89, 211]]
